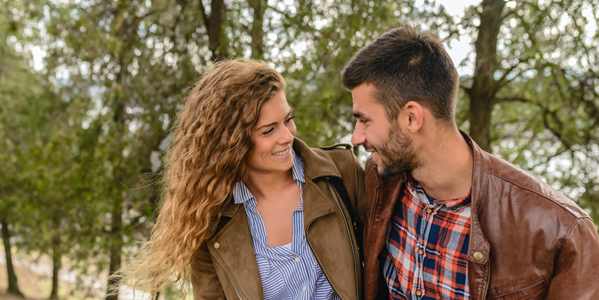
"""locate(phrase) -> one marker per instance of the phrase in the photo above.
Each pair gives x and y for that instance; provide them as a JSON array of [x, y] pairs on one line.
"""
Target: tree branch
[[514, 99], [468, 90], [205, 17], [507, 14]]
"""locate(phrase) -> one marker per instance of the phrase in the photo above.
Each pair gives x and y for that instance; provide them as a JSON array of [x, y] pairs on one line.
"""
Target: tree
[[116, 70], [533, 97], [19, 87]]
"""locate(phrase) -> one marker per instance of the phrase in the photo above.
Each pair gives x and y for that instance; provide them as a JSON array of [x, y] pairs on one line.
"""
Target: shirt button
[[305, 288], [216, 245], [297, 259], [420, 251], [454, 208], [418, 293], [428, 210]]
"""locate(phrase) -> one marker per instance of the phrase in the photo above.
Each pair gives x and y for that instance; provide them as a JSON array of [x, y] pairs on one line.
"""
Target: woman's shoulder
[[342, 155], [338, 146]]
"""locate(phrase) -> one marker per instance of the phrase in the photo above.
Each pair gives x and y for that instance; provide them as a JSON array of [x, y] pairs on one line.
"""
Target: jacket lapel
[[324, 225], [317, 164], [379, 211], [478, 270], [233, 248]]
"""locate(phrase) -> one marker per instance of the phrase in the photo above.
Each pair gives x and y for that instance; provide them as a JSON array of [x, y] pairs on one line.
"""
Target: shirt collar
[[242, 194], [415, 189]]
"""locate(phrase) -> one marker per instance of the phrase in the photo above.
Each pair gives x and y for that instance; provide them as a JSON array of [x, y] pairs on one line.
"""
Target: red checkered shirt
[[427, 246]]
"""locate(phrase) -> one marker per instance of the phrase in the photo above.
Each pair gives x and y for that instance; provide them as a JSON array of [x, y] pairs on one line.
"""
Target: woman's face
[[273, 138]]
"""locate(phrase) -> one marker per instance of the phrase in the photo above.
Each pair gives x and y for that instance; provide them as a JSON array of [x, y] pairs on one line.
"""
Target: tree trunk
[[13, 286], [482, 93], [116, 244], [215, 24], [56, 260], [257, 31], [116, 230]]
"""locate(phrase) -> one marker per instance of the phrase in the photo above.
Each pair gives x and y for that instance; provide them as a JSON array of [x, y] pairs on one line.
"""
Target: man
[[445, 219]]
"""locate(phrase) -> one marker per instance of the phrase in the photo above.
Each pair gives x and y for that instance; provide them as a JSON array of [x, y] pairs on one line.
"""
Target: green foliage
[[546, 114], [83, 137]]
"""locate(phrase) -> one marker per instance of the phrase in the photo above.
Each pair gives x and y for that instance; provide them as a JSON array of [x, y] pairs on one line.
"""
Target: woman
[[252, 210]]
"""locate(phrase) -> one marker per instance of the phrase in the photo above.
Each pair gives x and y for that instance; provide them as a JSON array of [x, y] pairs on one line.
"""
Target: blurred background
[[89, 90]]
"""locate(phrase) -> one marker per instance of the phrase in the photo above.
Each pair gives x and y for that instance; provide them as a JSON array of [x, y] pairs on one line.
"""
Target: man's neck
[[446, 170]]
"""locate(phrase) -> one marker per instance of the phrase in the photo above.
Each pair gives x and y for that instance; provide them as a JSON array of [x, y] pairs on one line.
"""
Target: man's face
[[392, 150]]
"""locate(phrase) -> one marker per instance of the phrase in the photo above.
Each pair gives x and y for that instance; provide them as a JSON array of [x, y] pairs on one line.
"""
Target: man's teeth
[[281, 153]]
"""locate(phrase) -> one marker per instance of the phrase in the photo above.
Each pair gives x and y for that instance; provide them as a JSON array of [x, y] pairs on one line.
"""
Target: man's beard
[[397, 153]]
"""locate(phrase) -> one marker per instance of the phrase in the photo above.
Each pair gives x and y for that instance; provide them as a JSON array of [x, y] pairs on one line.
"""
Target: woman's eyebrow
[[274, 123]]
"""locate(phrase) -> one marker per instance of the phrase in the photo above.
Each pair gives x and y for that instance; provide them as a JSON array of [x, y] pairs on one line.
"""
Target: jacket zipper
[[488, 279], [351, 240], [228, 277]]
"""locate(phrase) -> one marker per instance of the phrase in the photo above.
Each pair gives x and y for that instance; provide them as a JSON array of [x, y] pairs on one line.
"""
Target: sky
[[458, 50]]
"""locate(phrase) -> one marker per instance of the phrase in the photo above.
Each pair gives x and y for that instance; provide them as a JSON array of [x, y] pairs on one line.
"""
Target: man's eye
[[268, 131], [362, 121]]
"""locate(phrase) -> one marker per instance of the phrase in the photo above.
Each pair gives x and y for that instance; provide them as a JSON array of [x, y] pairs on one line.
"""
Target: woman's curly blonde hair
[[212, 136]]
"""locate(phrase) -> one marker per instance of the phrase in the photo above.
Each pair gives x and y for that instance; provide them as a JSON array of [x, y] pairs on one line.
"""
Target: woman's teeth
[[281, 153]]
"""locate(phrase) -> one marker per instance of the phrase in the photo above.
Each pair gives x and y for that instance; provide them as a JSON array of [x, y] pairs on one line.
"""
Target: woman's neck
[[264, 185]]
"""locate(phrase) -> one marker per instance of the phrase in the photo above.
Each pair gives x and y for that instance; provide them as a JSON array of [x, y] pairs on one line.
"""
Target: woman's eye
[[268, 131], [289, 119]]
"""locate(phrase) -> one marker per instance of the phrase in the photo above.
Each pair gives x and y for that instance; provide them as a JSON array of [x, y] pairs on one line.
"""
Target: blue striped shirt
[[285, 273]]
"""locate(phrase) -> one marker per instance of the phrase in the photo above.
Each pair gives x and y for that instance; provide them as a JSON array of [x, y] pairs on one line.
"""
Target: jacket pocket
[[536, 291]]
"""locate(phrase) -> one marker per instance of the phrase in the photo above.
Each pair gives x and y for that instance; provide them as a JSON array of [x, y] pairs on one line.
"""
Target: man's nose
[[358, 138]]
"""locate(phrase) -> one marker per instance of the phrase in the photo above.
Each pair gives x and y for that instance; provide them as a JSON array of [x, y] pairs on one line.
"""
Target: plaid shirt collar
[[415, 188]]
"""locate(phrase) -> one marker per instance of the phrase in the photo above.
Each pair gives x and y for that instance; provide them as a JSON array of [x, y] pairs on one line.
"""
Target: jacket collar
[[316, 164]]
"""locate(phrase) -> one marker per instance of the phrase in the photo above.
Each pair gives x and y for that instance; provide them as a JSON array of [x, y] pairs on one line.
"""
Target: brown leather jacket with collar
[[225, 267], [527, 240]]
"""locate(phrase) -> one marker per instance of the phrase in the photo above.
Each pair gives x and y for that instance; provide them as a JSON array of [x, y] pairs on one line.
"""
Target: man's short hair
[[405, 65]]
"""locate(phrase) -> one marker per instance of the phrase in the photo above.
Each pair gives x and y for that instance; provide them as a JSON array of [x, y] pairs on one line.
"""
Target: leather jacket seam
[[568, 235], [544, 281], [538, 194]]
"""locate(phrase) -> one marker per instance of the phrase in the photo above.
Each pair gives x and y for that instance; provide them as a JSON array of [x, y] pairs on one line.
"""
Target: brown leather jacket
[[527, 240], [225, 267]]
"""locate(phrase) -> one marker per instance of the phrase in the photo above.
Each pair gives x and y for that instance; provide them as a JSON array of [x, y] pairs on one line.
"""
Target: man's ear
[[412, 115]]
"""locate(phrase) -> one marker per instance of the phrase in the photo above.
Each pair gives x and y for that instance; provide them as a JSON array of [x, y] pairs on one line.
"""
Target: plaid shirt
[[427, 247]]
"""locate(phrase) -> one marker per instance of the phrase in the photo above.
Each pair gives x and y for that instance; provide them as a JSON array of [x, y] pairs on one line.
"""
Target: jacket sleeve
[[577, 267], [204, 280]]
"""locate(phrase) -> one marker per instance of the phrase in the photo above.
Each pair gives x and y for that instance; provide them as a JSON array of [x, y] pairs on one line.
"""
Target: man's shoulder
[[507, 177]]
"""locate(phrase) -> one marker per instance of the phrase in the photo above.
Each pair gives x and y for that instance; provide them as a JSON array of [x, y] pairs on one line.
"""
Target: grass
[[35, 281], [37, 285]]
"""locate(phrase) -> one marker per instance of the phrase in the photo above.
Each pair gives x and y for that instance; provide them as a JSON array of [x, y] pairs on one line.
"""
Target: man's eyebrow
[[274, 123]]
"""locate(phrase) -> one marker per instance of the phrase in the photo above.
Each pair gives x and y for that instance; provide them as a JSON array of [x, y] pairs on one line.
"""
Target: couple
[[251, 212]]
